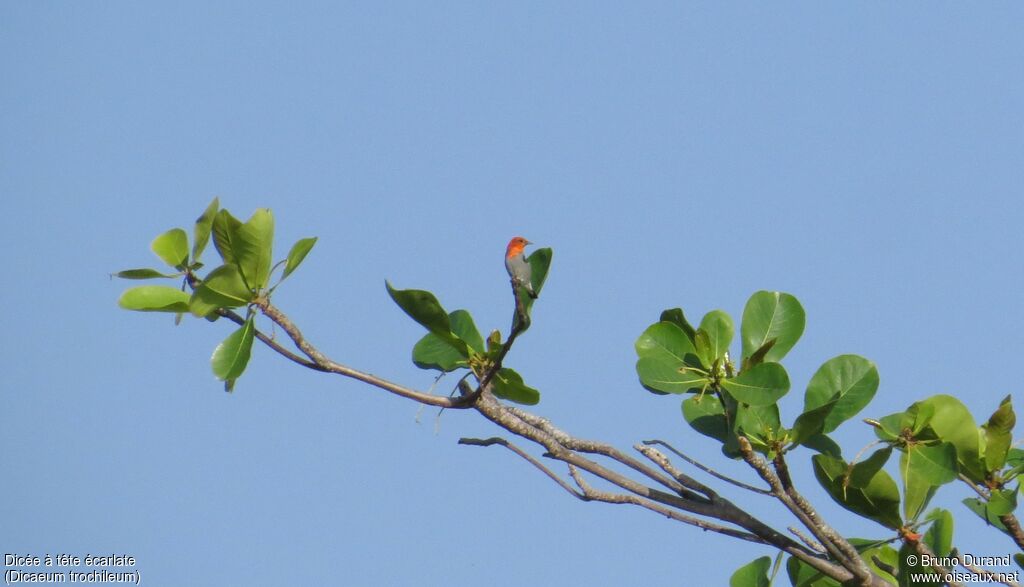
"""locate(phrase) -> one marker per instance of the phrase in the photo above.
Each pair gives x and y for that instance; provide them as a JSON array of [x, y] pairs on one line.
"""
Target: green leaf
[[752, 574], [222, 288], [705, 353], [824, 445], [924, 469], [879, 500], [935, 463], [253, 248], [231, 356], [201, 232], [761, 385], [862, 473], [463, 327], [912, 570], [757, 357], [705, 414], [434, 352], [982, 510], [718, 326], [142, 274], [874, 552], [540, 262], [1014, 462], [888, 428], [998, 435], [1002, 501], [507, 384], [670, 377], [939, 536], [449, 353], [172, 247], [952, 422], [917, 418], [810, 423], [154, 298], [803, 575], [299, 251], [676, 316], [225, 228], [772, 315], [664, 341], [850, 381], [494, 344], [424, 308], [760, 424]]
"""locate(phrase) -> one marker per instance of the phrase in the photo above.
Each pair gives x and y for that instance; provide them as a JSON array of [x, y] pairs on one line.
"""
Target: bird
[[518, 267]]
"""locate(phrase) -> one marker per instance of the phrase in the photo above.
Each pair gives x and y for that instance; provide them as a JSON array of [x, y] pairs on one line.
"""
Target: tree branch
[[607, 450], [622, 498], [688, 495], [530, 458], [1013, 526], [270, 342], [836, 545], [709, 470], [322, 363]]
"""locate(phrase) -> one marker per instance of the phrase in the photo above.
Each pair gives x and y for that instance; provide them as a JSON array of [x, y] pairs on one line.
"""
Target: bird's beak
[[527, 242]]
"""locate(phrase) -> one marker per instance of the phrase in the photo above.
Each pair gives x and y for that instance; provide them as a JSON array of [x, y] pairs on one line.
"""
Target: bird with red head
[[518, 267]]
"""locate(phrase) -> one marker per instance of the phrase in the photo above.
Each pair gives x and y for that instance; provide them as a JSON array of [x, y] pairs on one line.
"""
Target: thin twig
[[656, 457], [270, 342], [532, 460], [857, 564], [709, 470], [825, 534], [593, 447], [518, 325], [325, 364], [566, 448], [982, 493], [722, 510], [590, 493], [810, 542]]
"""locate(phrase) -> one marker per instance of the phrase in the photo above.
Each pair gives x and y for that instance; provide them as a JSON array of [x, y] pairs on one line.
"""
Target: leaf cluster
[[241, 280]]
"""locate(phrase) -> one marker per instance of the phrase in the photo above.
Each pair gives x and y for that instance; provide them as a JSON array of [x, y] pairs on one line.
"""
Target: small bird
[[518, 268]]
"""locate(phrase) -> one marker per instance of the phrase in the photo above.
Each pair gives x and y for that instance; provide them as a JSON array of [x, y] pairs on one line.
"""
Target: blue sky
[[866, 157]]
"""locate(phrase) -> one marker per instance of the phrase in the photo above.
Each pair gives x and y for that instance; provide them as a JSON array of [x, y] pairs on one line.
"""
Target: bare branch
[[688, 494], [1013, 526], [323, 363], [533, 461], [520, 422], [270, 342], [782, 489], [709, 470], [810, 542], [655, 456], [593, 447], [982, 492], [518, 325], [622, 498]]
